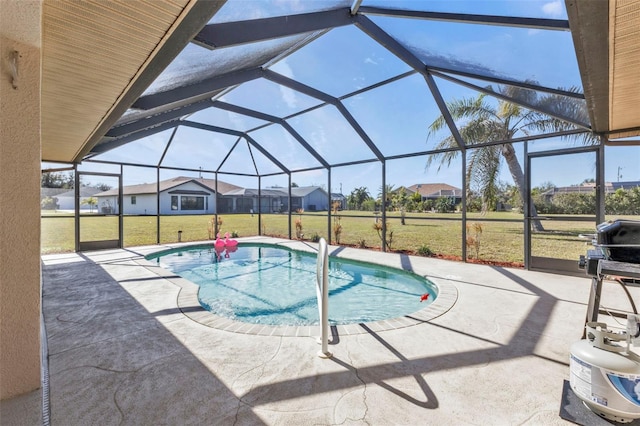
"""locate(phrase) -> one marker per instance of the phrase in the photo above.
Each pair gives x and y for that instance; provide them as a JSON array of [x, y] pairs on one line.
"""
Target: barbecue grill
[[617, 249], [616, 254], [620, 240]]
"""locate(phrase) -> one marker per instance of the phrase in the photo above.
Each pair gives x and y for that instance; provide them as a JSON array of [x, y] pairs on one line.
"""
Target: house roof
[[625, 185], [301, 191], [431, 190], [52, 192], [151, 188], [591, 187], [85, 191]]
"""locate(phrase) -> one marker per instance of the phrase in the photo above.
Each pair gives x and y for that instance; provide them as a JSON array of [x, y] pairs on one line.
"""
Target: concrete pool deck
[[122, 350]]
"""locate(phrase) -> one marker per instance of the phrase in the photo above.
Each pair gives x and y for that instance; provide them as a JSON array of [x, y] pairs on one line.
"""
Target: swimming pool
[[273, 285]]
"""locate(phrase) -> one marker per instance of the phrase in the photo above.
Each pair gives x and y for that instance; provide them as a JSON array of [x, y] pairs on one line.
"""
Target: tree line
[[506, 197]]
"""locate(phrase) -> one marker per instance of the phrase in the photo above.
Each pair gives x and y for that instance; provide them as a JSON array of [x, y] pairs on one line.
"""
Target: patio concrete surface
[[122, 350]]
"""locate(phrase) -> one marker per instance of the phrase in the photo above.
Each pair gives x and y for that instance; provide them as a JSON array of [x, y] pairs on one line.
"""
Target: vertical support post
[[322, 293], [463, 152], [120, 209], [157, 204], [289, 206], [76, 196], [329, 209], [259, 206], [600, 183], [526, 207], [215, 214], [383, 207]]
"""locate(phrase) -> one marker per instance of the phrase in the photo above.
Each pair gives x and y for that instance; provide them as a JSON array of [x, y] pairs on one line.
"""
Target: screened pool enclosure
[[458, 129]]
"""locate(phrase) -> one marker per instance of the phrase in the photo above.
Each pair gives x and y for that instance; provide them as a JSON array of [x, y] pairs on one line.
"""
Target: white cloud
[[553, 9], [236, 119], [288, 96]]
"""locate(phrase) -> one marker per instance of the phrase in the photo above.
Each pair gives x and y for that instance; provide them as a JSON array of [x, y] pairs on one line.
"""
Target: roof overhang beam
[[589, 21], [467, 18], [498, 80], [202, 90], [108, 145], [512, 100], [156, 119], [228, 34]]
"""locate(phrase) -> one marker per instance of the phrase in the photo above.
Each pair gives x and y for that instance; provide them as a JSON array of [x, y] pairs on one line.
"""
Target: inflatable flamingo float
[[219, 243], [228, 242]]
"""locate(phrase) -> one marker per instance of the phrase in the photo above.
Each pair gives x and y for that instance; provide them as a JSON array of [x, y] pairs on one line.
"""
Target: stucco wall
[[20, 197]]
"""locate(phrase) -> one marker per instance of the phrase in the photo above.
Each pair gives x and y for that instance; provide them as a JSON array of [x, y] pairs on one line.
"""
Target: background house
[[52, 193], [66, 198], [274, 200], [433, 191], [184, 195], [180, 195], [245, 200], [309, 198]]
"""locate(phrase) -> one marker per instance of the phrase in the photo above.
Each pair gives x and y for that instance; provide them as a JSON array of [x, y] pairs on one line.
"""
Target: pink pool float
[[219, 243], [229, 242]]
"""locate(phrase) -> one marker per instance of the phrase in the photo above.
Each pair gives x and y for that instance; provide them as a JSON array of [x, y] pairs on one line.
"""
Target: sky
[[396, 116]]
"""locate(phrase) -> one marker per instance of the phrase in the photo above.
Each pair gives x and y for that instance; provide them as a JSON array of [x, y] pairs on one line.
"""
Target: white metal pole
[[322, 292]]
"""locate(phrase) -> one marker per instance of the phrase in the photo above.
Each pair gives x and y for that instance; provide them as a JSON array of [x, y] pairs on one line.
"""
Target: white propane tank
[[606, 376]]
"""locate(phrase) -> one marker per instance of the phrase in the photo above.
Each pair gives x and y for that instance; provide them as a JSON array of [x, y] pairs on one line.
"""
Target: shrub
[[444, 205], [473, 241], [424, 250], [377, 226], [369, 205], [213, 227], [298, 224], [49, 203], [623, 202], [337, 226]]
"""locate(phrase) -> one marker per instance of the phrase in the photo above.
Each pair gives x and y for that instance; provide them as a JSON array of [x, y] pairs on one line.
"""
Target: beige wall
[[20, 199]]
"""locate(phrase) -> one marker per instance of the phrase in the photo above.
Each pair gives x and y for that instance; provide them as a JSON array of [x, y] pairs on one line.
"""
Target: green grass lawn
[[501, 240]]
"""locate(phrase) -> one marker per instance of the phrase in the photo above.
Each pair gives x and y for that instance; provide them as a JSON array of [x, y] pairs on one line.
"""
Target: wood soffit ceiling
[[97, 58], [624, 68]]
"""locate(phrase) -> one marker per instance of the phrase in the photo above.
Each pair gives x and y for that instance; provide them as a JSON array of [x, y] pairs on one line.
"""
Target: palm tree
[[358, 196], [484, 122], [387, 192], [91, 202]]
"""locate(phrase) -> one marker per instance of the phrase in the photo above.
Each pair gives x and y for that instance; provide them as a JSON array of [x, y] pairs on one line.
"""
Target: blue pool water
[[267, 284]]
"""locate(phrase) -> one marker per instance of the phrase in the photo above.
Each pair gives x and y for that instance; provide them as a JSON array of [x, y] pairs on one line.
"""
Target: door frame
[[97, 244], [563, 266]]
